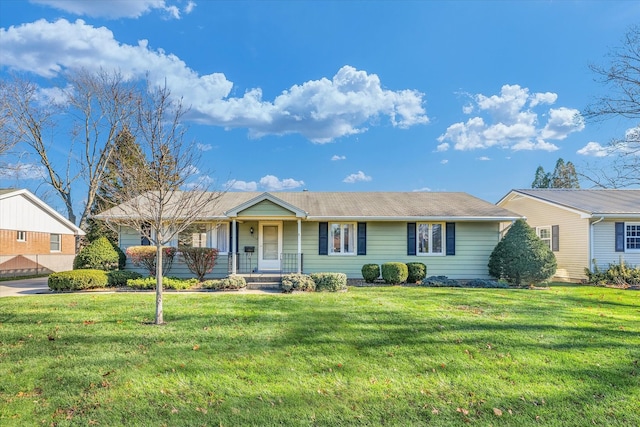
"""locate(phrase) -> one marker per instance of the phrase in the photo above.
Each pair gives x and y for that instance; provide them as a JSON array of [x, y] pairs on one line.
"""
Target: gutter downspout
[[591, 248]]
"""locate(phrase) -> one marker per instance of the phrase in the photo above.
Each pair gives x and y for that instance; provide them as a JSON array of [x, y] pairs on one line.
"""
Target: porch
[[246, 264]]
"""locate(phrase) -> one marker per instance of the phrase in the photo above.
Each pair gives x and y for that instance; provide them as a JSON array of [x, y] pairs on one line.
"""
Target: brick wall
[[36, 243]]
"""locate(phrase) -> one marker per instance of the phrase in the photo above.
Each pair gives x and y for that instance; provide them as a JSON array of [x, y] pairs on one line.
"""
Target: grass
[[566, 356]]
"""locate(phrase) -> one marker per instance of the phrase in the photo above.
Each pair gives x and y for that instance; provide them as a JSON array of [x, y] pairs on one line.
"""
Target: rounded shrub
[[99, 255], [370, 272], [167, 283], [417, 271], [228, 283], [298, 282], [330, 282], [117, 278], [394, 272], [76, 280]]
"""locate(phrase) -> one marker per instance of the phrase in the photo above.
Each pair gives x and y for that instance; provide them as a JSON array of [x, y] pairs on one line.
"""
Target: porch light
[[251, 230]]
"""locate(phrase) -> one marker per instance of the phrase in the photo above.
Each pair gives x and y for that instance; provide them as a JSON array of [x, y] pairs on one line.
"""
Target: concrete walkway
[[23, 287]]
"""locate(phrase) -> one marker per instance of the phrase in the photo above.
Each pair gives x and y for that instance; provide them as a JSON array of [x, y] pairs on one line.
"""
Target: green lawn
[[566, 356]]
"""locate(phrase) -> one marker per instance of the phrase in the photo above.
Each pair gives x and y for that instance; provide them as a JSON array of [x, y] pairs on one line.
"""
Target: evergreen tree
[[522, 257], [542, 179], [563, 176]]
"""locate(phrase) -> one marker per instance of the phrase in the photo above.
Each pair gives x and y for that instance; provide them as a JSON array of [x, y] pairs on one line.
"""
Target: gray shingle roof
[[593, 201], [381, 205]]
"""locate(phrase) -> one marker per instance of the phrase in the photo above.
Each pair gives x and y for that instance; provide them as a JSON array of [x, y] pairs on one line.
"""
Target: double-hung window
[[342, 238], [54, 242], [221, 237], [632, 236], [194, 236], [430, 238], [544, 233], [21, 236]]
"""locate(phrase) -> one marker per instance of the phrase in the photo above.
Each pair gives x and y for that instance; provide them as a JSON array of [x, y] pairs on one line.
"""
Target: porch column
[[299, 246], [233, 246]]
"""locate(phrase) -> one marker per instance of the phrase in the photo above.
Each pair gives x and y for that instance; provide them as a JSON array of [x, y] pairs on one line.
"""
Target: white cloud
[[204, 147], [444, 161], [320, 110], [442, 147], [115, 8], [484, 158], [272, 183], [189, 7], [423, 189], [593, 149], [337, 157], [241, 185], [508, 120], [22, 171], [357, 177]]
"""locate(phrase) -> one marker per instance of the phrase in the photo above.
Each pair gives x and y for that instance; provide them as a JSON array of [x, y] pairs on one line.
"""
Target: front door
[[269, 246]]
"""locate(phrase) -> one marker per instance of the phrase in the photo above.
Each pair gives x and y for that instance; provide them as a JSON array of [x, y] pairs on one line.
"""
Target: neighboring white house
[[582, 227], [34, 238]]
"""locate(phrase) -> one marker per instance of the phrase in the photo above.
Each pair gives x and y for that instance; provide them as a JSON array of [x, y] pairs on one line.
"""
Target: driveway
[[23, 287]]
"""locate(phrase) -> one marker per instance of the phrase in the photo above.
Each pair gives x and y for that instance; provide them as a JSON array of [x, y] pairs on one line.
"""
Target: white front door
[[269, 246]]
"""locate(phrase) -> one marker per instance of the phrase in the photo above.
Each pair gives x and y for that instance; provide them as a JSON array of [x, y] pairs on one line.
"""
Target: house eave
[[417, 218]]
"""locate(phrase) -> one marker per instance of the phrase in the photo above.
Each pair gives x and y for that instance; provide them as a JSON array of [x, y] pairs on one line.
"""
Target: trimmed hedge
[[76, 280], [417, 271], [370, 272], [167, 283], [118, 278], [441, 282], [228, 283], [330, 282], [298, 282], [394, 273], [98, 255]]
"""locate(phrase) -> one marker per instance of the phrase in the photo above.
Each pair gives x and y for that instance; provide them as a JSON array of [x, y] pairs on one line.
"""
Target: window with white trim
[[55, 242], [632, 236], [342, 238], [221, 237], [21, 236], [430, 238], [544, 233], [194, 236]]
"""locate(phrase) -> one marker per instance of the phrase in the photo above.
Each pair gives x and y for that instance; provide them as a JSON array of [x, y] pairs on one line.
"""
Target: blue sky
[[347, 95]]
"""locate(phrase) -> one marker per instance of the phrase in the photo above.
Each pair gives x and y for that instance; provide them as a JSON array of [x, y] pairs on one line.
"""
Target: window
[[146, 233], [54, 242], [342, 238], [430, 238], [544, 233], [632, 236], [194, 236], [222, 237], [21, 236]]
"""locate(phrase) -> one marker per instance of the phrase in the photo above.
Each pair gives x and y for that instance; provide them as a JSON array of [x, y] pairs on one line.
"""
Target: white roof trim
[[232, 213], [415, 218], [45, 207]]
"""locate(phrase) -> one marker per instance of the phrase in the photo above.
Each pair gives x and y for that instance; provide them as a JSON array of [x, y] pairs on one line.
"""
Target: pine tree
[[542, 179], [563, 176]]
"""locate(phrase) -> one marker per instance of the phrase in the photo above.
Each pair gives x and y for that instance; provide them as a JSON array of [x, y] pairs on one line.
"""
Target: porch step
[[262, 280], [264, 285]]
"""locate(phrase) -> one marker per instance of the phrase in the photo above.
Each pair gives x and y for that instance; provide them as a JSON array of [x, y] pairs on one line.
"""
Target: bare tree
[[620, 100], [166, 197], [84, 119]]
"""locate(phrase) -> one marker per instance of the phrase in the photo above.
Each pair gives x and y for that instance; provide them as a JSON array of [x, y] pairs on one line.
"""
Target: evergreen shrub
[[370, 272], [298, 282], [76, 280], [97, 255], [394, 273], [416, 272], [330, 282]]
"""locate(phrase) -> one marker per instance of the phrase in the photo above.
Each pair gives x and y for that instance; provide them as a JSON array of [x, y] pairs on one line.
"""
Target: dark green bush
[[330, 282], [228, 283], [394, 273], [117, 278], [370, 272], [441, 282], [167, 283], [76, 280], [522, 257], [417, 271], [98, 255], [483, 283], [298, 282]]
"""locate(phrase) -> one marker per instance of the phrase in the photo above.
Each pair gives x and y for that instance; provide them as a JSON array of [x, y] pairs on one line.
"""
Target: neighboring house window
[[430, 238], [342, 238], [54, 242], [21, 236], [544, 233], [632, 237], [550, 235], [194, 236]]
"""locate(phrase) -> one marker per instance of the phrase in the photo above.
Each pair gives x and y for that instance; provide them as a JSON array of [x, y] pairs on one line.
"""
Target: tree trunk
[[159, 319]]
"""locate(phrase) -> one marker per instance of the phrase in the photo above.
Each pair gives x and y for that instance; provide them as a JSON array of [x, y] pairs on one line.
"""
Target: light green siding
[[387, 241], [604, 250], [265, 208]]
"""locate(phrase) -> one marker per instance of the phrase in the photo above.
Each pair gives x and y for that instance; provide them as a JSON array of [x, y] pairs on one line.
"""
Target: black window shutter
[[411, 238], [362, 238], [555, 238], [619, 236], [323, 238], [451, 238]]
